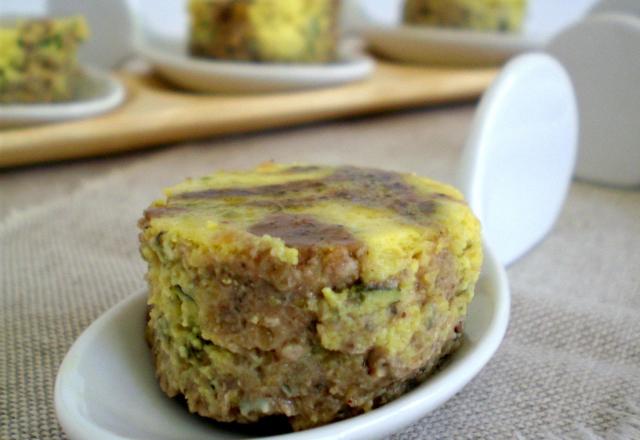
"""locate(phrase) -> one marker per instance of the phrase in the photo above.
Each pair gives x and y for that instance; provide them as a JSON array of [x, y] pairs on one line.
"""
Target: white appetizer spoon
[[602, 55], [629, 7], [519, 158], [111, 29]]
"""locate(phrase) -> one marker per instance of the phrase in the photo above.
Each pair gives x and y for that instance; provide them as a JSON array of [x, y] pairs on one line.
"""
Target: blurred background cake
[[481, 15], [38, 59], [303, 31]]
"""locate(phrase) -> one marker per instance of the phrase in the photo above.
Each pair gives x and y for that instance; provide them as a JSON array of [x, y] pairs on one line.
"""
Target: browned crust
[[366, 380], [320, 408]]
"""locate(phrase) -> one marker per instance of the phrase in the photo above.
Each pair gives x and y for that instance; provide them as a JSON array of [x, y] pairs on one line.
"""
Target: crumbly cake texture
[[312, 292], [301, 31], [38, 59], [482, 15]]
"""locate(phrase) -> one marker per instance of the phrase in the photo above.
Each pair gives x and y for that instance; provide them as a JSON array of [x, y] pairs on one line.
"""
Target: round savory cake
[[312, 292], [38, 61], [301, 31], [481, 15]]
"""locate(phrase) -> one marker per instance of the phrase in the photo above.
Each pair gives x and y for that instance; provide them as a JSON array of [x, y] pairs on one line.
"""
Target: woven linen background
[[568, 368]]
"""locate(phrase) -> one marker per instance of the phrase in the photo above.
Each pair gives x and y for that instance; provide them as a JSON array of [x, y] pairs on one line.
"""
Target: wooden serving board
[[155, 113]]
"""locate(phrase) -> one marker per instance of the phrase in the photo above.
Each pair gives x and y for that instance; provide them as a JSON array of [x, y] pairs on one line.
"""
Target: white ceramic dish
[[98, 92], [170, 58], [602, 56], [387, 35], [519, 159], [424, 45], [106, 389], [628, 7], [105, 48]]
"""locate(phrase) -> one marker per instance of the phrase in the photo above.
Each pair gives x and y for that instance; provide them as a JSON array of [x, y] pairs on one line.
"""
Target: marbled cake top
[[392, 216]]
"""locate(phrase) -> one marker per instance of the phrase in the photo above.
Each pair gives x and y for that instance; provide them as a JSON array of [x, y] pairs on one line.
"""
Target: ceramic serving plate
[[170, 58], [97, 92], [106, 388], [416, 44]]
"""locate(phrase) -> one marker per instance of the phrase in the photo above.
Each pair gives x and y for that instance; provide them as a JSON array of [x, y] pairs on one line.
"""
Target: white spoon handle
[[111, 29], [602, 55], [518, 161]]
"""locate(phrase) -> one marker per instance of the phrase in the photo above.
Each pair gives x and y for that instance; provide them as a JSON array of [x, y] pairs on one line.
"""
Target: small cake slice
[[301, 31], [38, 59], [480, 15], [312, 292]]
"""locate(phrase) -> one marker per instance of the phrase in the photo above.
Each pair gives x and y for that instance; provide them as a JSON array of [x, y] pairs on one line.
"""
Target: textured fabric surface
[[568, 368]]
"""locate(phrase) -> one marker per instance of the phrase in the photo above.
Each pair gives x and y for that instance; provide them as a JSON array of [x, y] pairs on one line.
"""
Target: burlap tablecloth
[[568, 368]]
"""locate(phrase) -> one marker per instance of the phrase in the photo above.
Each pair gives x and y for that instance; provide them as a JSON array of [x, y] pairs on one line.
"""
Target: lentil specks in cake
[[313, 292]]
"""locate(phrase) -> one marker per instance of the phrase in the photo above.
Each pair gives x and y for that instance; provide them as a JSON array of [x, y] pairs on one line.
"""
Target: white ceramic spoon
[[111, 29], [519, 159], [602, 55], [516, 170], [628, 7], [106, 387]]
